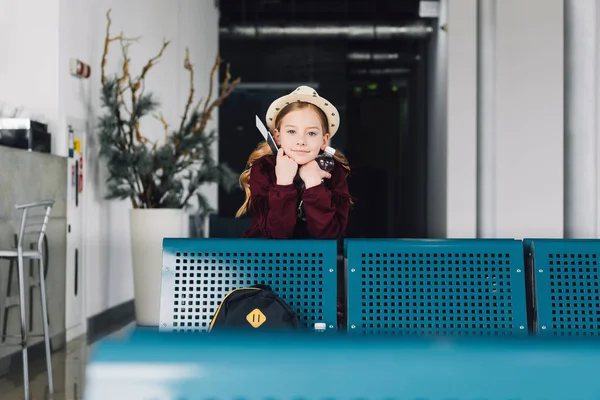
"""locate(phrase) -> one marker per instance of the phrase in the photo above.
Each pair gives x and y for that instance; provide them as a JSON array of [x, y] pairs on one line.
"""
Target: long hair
[[263, 149]]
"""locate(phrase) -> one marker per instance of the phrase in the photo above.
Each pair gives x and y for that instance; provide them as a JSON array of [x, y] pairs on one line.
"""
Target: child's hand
[[285, 169], [312, 174]]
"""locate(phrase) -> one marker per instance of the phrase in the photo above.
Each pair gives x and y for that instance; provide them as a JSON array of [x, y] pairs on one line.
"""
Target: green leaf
[[167, 175]]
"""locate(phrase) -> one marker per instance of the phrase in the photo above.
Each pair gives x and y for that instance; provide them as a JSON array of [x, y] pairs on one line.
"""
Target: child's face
[[301, 135]]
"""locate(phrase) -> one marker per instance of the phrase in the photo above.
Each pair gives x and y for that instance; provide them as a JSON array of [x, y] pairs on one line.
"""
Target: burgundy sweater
[[274, 208]]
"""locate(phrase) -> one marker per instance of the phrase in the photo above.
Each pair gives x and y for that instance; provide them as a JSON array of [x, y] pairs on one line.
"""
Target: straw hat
[[308, 95]]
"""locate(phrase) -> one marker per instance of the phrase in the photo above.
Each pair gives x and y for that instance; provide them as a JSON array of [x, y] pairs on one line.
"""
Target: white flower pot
[[148, 228]]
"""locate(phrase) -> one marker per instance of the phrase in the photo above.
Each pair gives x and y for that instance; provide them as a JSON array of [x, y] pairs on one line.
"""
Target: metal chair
[[32, 225]]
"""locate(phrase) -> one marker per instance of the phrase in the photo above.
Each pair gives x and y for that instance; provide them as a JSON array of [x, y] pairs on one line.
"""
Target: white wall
[[38, 78], [185, 23], [452, 126], [28, 66], [527, 107], [582, 118]]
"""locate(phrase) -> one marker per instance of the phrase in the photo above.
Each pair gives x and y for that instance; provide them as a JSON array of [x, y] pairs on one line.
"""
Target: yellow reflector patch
[[256, 318]]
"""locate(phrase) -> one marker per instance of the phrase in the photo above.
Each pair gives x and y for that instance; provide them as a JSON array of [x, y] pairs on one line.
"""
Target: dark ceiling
[[317, 11], [280, 53]]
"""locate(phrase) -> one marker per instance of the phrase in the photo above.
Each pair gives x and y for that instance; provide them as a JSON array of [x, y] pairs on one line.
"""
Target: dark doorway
[[378, 85], [375, 120]]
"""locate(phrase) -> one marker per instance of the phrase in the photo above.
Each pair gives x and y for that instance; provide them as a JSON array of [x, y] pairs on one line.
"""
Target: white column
[[529, 102], [597, 166], [486, 124], [581, 109], [461, 142]]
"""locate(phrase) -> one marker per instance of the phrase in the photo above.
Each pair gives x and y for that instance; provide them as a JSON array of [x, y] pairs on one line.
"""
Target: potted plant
[[162, 179]]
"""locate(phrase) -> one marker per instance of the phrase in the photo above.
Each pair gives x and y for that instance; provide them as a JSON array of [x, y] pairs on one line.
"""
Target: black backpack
[[256, 307]]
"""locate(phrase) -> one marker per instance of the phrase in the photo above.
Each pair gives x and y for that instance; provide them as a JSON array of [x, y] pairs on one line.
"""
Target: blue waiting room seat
[[565, 279], [436, 287], [198, 273]]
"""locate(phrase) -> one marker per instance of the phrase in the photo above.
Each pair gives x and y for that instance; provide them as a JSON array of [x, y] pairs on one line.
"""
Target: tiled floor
[[68, 367]]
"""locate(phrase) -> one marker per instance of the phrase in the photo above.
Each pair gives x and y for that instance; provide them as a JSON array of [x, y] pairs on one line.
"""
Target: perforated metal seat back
[[436, 287], [567, 286], [198, 273]]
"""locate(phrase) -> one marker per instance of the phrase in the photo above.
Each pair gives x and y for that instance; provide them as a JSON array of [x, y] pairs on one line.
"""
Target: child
[[288, 195]]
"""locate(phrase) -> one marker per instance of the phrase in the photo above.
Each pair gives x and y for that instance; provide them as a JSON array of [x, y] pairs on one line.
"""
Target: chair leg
[[45, 325], [22, 309]]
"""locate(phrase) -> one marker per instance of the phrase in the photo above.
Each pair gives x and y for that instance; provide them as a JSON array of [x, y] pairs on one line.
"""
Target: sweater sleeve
[[327, 208], [273, 207]]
